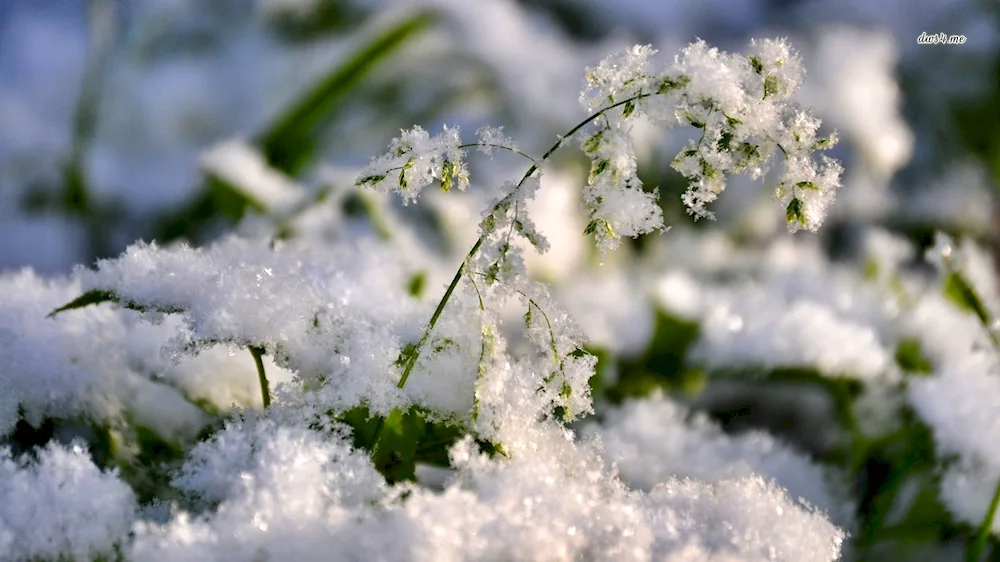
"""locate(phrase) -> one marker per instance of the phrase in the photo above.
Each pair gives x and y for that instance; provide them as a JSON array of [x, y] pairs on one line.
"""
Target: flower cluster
[[415, 160], [742, 106]]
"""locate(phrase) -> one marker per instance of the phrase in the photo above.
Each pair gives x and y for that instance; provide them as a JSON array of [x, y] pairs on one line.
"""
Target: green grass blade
[[289, 143], [90, 298]]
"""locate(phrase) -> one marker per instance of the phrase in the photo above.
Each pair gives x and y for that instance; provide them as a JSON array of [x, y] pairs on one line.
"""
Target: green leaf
[[599, 167], [447, 175], [603, 224], [405, 354], [98, 296], [394, 454], [807, 185], [401, 440], [370, 180], [872, 269], [402, 173], [756, 64], [90, 298], [492, 273], [628, 109], [662, 365], [417, 283], [958, 289], [289, 143], [593, 143], [750, 151], [670, 84], [217, 202], [489, 223], [823, 143], [771, 85], [693, 121], [724, 141], [910, 357], [795, 212], [707, 170], [531, 237]]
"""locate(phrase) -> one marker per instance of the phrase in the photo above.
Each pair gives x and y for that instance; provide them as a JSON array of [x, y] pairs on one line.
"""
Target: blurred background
[[108, 108]]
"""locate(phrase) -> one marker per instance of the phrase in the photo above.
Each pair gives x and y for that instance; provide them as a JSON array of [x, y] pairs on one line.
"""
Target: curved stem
[[414, 354], [411, 360], [265, 393], [500, 146]]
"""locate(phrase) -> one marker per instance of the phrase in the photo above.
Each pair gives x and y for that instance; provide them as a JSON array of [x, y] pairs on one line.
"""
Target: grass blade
[[289, 143]]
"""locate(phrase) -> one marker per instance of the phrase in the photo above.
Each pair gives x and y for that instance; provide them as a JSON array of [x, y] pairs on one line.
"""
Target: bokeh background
[[108, 107]]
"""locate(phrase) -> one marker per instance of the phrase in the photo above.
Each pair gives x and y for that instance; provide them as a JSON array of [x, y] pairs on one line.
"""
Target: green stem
[[265, 393], [500, 146], [414, 355], [411, 360], [984, 528]]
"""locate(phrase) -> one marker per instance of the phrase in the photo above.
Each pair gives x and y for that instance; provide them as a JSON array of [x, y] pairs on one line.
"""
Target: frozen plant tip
[[742, 105], [415, 160]]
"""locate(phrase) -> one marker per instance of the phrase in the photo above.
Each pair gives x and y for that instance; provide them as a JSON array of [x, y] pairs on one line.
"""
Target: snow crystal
[[61, 505], [655, 439]]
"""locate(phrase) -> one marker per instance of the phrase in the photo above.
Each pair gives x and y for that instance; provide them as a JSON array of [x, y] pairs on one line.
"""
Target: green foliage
[[910, 357], [144, 458], [695, 122], [217, 204], [600, 166], [99, 296], [397, 443], [960, 292], [669, 84], [324, 18], [89, 298], [290, 142], [795, 212], [599, 225], [904, 456], [417, 284], [594, 142], [628, 109], [662, 365], [771, 85]]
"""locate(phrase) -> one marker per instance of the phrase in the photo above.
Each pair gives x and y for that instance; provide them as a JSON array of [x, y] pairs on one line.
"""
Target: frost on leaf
[[414, 161], [742, 106]]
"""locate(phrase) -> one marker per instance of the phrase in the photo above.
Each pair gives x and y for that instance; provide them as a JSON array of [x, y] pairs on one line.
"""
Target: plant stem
[[265, 393], [984, 528], [411, 359], [500, 146], [414, 354]]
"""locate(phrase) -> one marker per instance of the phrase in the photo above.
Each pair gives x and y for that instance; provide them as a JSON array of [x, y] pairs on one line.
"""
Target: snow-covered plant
[[741, 105], [379, 388]]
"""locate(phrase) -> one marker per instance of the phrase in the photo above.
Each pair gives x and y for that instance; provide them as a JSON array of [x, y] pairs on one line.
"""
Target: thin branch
[[265, 393], [411, 359], [500, 146]]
